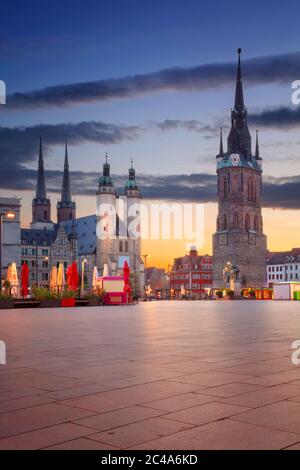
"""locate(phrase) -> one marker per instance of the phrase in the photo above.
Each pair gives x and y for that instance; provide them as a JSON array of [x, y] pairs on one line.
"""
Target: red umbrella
[[24, 279], [74, 277], [126, 274], [69, 274]]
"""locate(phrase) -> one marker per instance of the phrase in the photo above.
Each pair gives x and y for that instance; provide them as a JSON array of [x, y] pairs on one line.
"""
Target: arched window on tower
[[120, 247], [45, 214], [235, 220], [247, 222], [225, 222], [256, 223], [251, 190], [224, 189], [218, 223]]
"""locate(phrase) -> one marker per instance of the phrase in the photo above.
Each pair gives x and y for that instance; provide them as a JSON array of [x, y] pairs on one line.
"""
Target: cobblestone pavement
[[159, 375]]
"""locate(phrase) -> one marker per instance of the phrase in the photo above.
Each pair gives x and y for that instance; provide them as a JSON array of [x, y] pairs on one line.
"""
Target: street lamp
[[9, 215], [147, 255], [84, 261]]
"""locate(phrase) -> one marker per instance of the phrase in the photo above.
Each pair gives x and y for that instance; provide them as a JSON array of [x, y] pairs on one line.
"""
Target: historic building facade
[[192, 273], [46, 243], [283, 266], [239, 238]]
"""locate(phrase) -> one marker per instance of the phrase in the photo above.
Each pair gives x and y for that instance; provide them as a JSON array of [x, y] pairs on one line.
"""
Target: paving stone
[[224, 435], [44, 437], [136, 433]]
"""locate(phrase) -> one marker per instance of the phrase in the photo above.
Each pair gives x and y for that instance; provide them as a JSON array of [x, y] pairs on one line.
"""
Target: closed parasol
[[60, 276], [53, 279], [74, 277], [126, 274], [24, 279], [95, 278]]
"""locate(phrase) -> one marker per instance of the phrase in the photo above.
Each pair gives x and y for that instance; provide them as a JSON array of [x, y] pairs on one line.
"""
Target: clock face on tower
[[235, 159]]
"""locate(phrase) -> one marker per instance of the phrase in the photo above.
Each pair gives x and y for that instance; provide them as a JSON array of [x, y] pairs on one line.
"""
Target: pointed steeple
[[66, 192], [66, 208], [221, 151], [239, 95], [41, 186], [41, 205], [257, 147], [239, 139]]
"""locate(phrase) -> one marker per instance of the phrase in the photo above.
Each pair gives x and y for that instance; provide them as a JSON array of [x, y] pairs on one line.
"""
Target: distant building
[[239, 238], [192, 273], [283, 266], [10, 233], [158, 281]]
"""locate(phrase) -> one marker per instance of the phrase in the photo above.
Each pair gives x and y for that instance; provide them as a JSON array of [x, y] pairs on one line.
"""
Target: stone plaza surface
[[159, 375]]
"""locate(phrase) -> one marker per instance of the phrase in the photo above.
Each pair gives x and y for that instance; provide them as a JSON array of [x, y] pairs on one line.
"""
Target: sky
[[152, 81]]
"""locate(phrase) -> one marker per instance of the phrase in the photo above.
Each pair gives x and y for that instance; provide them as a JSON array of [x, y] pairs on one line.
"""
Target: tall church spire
[[66, 192], [66, 208], [41, 206], [221, 151], [239, 105], [41, 186], [239, 139], [256, 147]]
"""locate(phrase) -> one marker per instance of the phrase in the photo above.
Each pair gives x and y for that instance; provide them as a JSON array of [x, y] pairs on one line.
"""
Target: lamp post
[[84, 261], [9, 215], [145, 256]]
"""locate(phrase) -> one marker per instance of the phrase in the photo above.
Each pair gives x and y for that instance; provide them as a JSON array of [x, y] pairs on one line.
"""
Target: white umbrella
[[60, 276], [95, 277], [14, 282], [105, 270], [53, 279]]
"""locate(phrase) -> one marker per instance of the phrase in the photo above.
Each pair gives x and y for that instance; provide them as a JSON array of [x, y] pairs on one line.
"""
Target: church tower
[[239, 238], [66, 208], [106, 221], [133, 195], [41, 205]]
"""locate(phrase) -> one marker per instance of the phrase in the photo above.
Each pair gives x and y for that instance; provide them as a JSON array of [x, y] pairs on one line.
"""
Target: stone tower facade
[[66, 208], [239, 238]]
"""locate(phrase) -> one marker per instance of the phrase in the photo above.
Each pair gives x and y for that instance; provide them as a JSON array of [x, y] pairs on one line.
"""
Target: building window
[[224, 189], [120, 247], [256, 223], [225, 222], [251, 190], [247, 222], [235, 220]]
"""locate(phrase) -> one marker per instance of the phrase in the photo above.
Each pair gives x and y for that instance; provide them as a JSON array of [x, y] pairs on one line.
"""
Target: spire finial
[[239, 96], [257, 147], [106, 156], [131, 161], [221, 151], [41, 186]]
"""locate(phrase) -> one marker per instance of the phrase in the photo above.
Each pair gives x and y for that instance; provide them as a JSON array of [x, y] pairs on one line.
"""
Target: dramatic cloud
[[261, 70], [18, 145], [279, 118], [278, 192]]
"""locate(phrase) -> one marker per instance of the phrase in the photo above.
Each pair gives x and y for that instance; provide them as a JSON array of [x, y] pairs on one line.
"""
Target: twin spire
[[65, 207]]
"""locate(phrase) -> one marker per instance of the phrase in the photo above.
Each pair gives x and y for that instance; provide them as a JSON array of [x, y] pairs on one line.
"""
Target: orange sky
[[281, 226]]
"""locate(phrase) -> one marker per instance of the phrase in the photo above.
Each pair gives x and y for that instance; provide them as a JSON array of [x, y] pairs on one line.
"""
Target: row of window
[[251, 189], [195, 286], [285, 277], [291, 267], [194, 276], [224, 224]]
